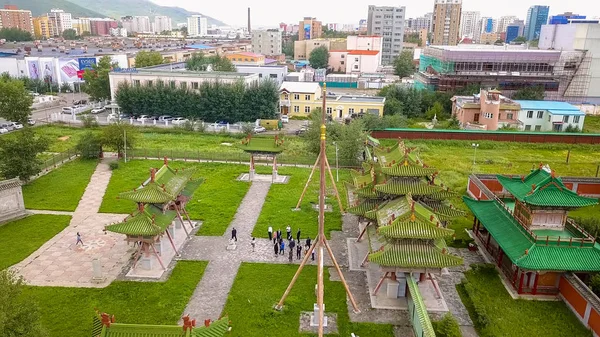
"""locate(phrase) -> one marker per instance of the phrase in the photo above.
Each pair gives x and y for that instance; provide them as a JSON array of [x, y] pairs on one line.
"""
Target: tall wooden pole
[[321, 238]]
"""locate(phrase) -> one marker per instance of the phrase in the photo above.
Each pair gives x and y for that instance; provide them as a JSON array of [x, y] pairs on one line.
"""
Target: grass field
[[258, 287], [487, 301], [282, 198], [20, 238], [591, 124], [215, 202], [61, 189], [69, 311]]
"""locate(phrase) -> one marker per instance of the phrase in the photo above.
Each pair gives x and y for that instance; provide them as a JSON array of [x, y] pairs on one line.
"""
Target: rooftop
[[184, 73], [302, 87], [360, 99], [363, 52], [249, 54], [556, 108]]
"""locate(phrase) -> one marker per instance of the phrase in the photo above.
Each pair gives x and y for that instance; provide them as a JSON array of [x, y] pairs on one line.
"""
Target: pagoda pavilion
[[534, 243], [105, 325], [397, 193], [262, 146], [159, 201]]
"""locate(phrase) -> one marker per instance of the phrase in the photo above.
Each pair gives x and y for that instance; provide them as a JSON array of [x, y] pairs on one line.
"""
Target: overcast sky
[[271, 13]]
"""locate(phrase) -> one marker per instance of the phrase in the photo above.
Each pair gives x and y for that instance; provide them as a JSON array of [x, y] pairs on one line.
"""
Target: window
[[149, 83], [351, 110], [527, 127], [530, 115], [488, 115], [342, 56], [136, 83], [549, 118], [296, 96], [296, 108], [342, 62], [272, 75], [576, 119], [286, 96], [540, 114], [195, 85], [329, 110], [183, 85], [307, 109], [259, 75], [356, 59], [307, 97], [566, 119], [538, 128], [509, 116]]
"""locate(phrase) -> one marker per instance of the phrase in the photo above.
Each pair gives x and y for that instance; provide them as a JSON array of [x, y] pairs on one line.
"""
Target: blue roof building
[[550, 116]]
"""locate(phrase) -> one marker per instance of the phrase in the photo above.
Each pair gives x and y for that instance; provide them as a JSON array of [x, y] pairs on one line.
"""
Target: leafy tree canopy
[[201, 62], [97, 81], [520, 39], [20, 316], [114, 136], [319, 57], [148, 58], [15, 34], [70, 34], [403, 64], [19, 154], [535, 92], [15, 100]]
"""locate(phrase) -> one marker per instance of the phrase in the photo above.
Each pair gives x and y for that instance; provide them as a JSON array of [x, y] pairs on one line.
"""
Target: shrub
[[595, 284], [446, 327], [113, 165], [89, 121], [89, 146]]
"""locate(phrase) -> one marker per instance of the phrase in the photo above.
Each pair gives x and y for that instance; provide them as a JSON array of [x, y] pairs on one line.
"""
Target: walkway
[[59, 262]]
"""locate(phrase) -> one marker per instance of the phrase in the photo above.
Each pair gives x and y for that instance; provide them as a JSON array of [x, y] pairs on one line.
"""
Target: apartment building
[[389, 23], [536, 17], [59, 21], [446, 22], [162, 23], [469, 24], [41, 27], [267, 42], [310, 28], [12, 17], [197, 25]]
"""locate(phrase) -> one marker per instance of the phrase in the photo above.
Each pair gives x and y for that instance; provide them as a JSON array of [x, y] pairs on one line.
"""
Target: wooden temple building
[[397, 194], [523, 226], [105, 325], [160, 201], [262, 147]]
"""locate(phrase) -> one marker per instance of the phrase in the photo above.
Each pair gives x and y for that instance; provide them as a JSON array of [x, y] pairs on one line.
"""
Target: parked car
[[259, 129], [31, 121], [3, 130], [302, 130], [8, 126], [17, 126], [179, 121], [165, 118], [98, 110], [218, 126], [143, 118], [285, 118]]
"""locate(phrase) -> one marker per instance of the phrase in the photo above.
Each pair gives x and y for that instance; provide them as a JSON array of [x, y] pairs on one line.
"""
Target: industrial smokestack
[[249, 28]]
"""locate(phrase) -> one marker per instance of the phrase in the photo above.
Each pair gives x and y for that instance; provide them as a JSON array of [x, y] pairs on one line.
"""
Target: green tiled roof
[[540, 188], [215, 329], [149, 222], [414, 254], [392, 210], [444, 212], [174, 181], [413, 230], [261, 145], [191, 187], [409, 186], [410, 170], [521, 248], [420, 308], [152, 193], [362, 208]]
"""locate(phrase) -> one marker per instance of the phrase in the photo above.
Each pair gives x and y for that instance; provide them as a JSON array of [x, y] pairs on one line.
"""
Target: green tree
[[114, 135], [201, 62], [499, 41], [413, 38], [20, 317], [198, 62], [392, 106], [403, 64], [70, 34], [436, 110], [148, 58], [288, 45], [220, 63], [319, 57], [520, 39], [19, 154], [97, 81], [470, 89], [334, 34], [447, 327], [535, 93], [15, 101], [15, 34], [350, 141], [89, 145]]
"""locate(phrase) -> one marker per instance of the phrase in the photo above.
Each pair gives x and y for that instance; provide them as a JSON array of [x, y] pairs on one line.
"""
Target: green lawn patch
[[61, 189], [496, 314], [591, 124], [20, 238], [214, 203], [282, 198], [258, 287], [69, 311]]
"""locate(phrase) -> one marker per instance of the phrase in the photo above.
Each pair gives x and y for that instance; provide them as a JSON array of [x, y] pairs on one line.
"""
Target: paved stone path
[[60, 262], [43, 211]]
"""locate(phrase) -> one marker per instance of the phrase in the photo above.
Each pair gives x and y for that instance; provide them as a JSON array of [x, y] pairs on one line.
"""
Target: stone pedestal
[[145, 262], [159, 247], [178, 223], [97, 276], [171, 230], [393, 289], [314, 316], [252, 172]]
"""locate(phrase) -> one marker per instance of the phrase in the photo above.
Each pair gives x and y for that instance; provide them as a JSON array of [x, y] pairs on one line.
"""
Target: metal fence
[[58, 159]]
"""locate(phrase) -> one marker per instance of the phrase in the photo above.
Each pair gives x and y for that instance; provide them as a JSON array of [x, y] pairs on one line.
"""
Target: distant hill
[[109, 8]]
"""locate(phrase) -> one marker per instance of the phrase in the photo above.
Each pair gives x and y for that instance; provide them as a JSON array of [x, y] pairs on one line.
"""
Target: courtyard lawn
[[69, 311], [214, 203], [591, 124], [20, 238], [488, 301], [250, 303], [61, 189], [282, 198]]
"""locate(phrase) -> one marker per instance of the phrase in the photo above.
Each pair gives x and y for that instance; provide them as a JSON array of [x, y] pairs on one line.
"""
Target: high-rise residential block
[[389, 23], [536, 17], [504, 21], [102, 27], [59, 21], [469, 24], [41, 27], [446, 22], [162, 23], [514, 30], [82, 25], [417, 24], [197, 25], [12, 17], [267, 42], [309, 29], [141, 24]]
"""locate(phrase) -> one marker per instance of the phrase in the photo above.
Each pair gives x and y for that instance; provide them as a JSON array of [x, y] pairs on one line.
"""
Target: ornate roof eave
[[414, 254], [151, 194], [413, 230]]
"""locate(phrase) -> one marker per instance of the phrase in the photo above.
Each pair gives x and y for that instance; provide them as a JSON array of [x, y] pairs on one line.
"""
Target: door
[[476, 118]]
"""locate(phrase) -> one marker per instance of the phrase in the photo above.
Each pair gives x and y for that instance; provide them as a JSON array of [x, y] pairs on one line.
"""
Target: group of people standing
[[293, 245]]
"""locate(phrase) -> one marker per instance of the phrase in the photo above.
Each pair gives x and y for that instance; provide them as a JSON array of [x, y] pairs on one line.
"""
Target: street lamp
[[337, 167], [475, 146]]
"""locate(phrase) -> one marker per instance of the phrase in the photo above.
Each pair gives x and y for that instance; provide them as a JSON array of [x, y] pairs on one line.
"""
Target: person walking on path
[[298, 235], [292, 245], [298, 251], [79, 239], [308, 242], [276, 248], [291, 255], [234, 234], [279, 233], [253, 243], [282, 248], [288, 229], [270, 230]]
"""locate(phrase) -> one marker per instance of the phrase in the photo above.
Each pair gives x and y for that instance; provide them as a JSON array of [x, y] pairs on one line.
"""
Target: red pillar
[[422, 277], [520, 289], [535, 283]]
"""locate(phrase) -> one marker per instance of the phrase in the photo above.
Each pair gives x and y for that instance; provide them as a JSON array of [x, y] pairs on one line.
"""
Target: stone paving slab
[[43, 211]]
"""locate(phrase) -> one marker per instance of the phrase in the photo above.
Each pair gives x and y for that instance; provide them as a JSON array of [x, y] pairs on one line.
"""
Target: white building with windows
[[162, 23], [59, 21], [549, 116], [141, 24], [197, 25], [469, 24], [267, 42], [275, 73], [388, 22]]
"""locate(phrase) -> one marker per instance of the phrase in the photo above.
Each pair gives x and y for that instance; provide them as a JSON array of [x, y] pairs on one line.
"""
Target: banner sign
[[68, 69], [86, 62], [307, 31], [34, 69]]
